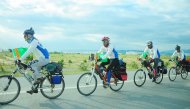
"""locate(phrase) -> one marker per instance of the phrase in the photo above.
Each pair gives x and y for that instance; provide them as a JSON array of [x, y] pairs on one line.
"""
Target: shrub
[[134, 65], [83, 66], [70, 62], [85, 61], [167, 63], [61, 62], [2, 69], [29, 58]]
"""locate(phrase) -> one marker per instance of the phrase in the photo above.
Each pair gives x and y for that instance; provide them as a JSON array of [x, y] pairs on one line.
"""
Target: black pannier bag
[[54, 68], [188, 66], [121, 72], [163, 68]]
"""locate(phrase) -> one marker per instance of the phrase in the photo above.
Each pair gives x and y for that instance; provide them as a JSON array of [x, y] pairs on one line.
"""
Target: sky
[[64, 25]]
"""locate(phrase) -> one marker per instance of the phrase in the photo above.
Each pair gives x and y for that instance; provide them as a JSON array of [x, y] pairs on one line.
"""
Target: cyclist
[[154, 56], [179, 54], [112, 56], [41, 54]]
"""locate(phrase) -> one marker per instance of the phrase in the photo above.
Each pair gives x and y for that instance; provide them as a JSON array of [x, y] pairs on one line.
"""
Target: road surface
[[167, 95]]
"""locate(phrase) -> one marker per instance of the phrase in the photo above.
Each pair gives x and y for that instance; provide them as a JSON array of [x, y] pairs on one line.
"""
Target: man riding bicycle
[[112, 56], [41, 54], [154, 55], [179, 55]]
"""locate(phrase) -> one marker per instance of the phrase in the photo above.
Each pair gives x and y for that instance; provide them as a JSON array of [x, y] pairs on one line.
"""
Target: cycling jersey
[[153, 52], [180, 55], [111, 53], [37, 49]]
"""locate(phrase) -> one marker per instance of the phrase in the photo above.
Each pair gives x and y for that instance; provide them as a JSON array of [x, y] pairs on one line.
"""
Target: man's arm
[[31, 48]]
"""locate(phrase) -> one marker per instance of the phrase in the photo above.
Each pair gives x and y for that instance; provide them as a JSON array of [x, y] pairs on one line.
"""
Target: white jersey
[[153, 53], [37, 49], [110, 52], [180, 55]]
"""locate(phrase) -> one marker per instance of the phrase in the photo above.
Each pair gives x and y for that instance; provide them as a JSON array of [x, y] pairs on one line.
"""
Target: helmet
[[177, 48], [28, 35], [149, 43], [29, 31], [106, 41], [105, 38]]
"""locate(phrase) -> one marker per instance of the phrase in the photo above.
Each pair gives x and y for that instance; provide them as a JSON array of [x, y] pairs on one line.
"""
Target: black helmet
[[149, 44], [177, 48], [29, 31]]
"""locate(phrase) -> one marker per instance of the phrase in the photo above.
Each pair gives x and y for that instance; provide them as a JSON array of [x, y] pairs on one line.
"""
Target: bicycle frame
[[20, 70], [96, 69], [148, 68]]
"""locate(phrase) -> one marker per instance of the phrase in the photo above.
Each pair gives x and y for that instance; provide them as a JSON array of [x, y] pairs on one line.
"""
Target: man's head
[[106, 41], [149, 44], [29, 35], [177, 48]]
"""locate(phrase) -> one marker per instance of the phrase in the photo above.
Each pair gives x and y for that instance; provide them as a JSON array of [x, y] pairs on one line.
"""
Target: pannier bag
[[188, 66], [164, 70], [54, 68], [121, 73], [56, 79]]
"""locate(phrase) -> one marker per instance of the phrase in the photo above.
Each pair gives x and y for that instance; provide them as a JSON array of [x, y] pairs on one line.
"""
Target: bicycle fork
[[91, 76]]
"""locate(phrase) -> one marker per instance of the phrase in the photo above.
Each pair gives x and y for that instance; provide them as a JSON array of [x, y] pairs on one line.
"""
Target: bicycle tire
[[79, 88], [172, 69], [160, 76], [117, 89], [10, 93], [135, 78], [184, 73], [42, 90]]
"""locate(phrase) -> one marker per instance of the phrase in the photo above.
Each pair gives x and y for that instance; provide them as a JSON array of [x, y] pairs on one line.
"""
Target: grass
[[72, 62]]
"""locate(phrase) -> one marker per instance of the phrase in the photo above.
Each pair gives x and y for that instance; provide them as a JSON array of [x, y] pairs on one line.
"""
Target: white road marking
[[67, 88]]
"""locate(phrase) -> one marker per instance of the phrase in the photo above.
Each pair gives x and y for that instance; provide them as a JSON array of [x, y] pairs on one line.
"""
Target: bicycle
[[87, 82], [178, 69], [49, 87], [140, 75]]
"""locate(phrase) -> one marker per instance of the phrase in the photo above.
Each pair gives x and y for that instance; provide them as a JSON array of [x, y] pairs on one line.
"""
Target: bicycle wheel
[[139, 77], [184, 73], [159, 78], [87, 84], [172, 74], [116, 84], [9, 89], [52, 91]]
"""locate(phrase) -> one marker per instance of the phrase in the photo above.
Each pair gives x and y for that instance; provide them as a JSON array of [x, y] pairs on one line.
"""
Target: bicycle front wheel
[[52, 91], [184, 73], [139, 77], [116, 84], [87, 84], [9, 89], [172, 74]]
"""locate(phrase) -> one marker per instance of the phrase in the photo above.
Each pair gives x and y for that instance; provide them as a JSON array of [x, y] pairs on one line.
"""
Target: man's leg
[[36, 66], [113, 64], [156, 60]]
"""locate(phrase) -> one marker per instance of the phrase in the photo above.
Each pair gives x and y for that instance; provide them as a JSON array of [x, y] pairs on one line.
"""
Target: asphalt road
[[167, 95]]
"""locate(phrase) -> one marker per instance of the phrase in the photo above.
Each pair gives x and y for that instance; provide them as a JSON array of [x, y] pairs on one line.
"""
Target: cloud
[[129, 23]]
